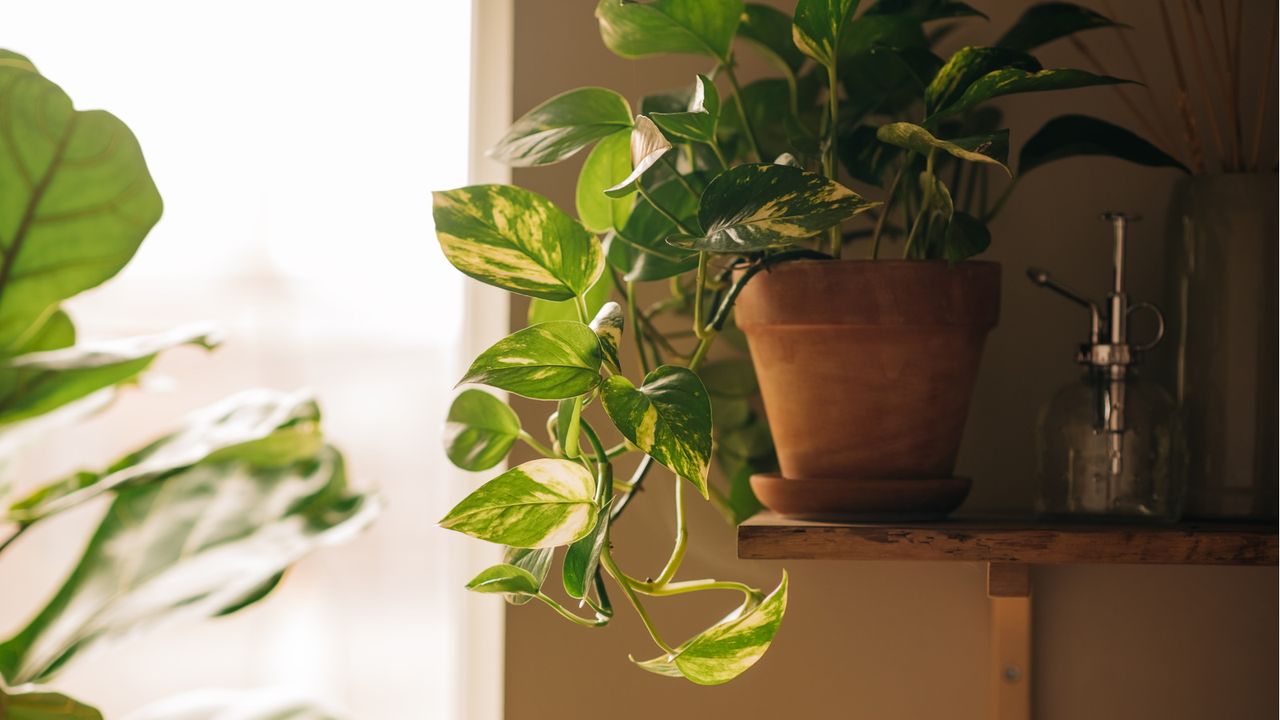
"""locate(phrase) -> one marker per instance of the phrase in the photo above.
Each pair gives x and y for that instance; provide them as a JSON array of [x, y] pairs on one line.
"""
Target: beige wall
[[901, 640]]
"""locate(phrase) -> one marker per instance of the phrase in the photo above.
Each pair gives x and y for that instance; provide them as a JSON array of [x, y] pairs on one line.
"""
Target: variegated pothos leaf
[[542, 503], [517, 240], [608, 327], [698, 27], [762, 205], [698, 123], [1010, 81], [730, 647], [818, 26], [548, 361], [667, 417], [913, 137], [562, 126], [648, 145], [505, 578], [479, 431], [535, 561]]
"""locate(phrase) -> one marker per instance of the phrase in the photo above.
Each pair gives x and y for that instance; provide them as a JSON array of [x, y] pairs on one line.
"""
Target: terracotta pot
[[866, 369]]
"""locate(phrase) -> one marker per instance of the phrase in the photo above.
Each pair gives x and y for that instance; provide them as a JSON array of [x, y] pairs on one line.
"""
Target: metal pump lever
[[1043, 279]]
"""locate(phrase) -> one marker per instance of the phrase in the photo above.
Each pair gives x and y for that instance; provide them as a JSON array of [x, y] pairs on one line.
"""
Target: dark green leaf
[[1010, 81], [756, 206], [40, 382], [667, 417], [39, 705], [583, 557], [542, 503], [549, 361], [730, 647], [608, 164], [730, 378], [648, 145], [198, 541], [1046, 22], [915, 138], [78, 199], [966, 236], [562, 126], [924, 10], [535, 561], [699, 27], [1081, 135], [819, 25], [479, 431], [965, 67], [640, 250], [517, 240], [261, 426], [865, 158], [697, 123], [770, 29], [505, 579]]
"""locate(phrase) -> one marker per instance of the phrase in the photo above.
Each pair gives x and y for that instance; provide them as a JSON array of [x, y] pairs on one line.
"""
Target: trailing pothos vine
[[702, 192]]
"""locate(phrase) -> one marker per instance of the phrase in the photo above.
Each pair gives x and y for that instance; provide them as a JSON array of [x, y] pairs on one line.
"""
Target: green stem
[[575, 426], [599, 621], [742, 110], [924, 205], [679, 178], [538, 447], [624, 582], [715, 149], [682, 539], [666, 213], [688, 586], [699, 289], [888, 207], [581, 304], [704, 345], [634, 312], [829, 152]]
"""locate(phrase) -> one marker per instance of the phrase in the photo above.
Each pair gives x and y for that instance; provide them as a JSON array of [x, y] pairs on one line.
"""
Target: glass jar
[[1086, 472]]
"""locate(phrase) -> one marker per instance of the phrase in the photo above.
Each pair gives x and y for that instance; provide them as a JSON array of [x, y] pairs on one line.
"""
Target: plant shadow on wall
[[702, 191], [204, 521]]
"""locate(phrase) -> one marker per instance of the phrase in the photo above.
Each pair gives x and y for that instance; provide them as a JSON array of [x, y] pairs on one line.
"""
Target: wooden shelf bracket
[[1009, 588]]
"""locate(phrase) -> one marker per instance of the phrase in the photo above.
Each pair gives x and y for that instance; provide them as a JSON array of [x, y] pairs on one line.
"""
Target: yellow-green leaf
[[542, 503], [699, 27], [562, 126], [479, 431], [548, 361], [608, 164], [913, 137], [667, 417]]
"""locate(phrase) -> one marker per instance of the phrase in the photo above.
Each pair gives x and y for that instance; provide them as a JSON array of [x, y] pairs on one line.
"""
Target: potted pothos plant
[[738, 195], [202, 521]]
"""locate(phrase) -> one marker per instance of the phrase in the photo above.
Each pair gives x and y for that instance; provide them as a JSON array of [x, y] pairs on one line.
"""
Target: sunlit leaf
[[505, 579], [699, 27], [479, 431], [699, 121], [549, 361], [198, 541], [78, 199], [730, 647], [648, 145], [1080, 135], [608, 164], [542, 503], [562, 126], [667, 417], [517, 240], [913, 137], [535, 561], [756, 206], [1045, 22], [583, 557], [263, 426], [37, 704]]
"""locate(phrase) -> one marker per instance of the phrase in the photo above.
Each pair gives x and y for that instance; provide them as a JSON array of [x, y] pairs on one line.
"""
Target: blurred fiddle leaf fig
[[38, 704]]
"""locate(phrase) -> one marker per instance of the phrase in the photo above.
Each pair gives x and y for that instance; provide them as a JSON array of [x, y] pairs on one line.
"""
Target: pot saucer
[[861, 499]]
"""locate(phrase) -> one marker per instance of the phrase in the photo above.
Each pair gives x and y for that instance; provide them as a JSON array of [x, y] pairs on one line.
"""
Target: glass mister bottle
[[1110, 446]]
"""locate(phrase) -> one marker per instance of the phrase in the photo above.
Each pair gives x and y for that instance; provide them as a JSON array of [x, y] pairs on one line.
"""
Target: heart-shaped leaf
[[730, 647], [549, 361], [770, 29], [505, 578], [517, 240], [1081, 135], [819, 25], [78, 198], [966, 236], [667, 417], [965, 67], [562, 126], [262, 426], [479, 431], [39, 705], [608, 164], [597, 295], [761, 205], [913, 137], [535, 561], [40, 382], [640, 250], [1010, 81], [542, 503], [198, 541], [698, 27], [1045, 22], [648, 145], [698, 123], [583, 557], [608, 327]]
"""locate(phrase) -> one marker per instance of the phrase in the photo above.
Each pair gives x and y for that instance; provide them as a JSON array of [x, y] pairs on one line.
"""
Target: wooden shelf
[[770, 537]]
